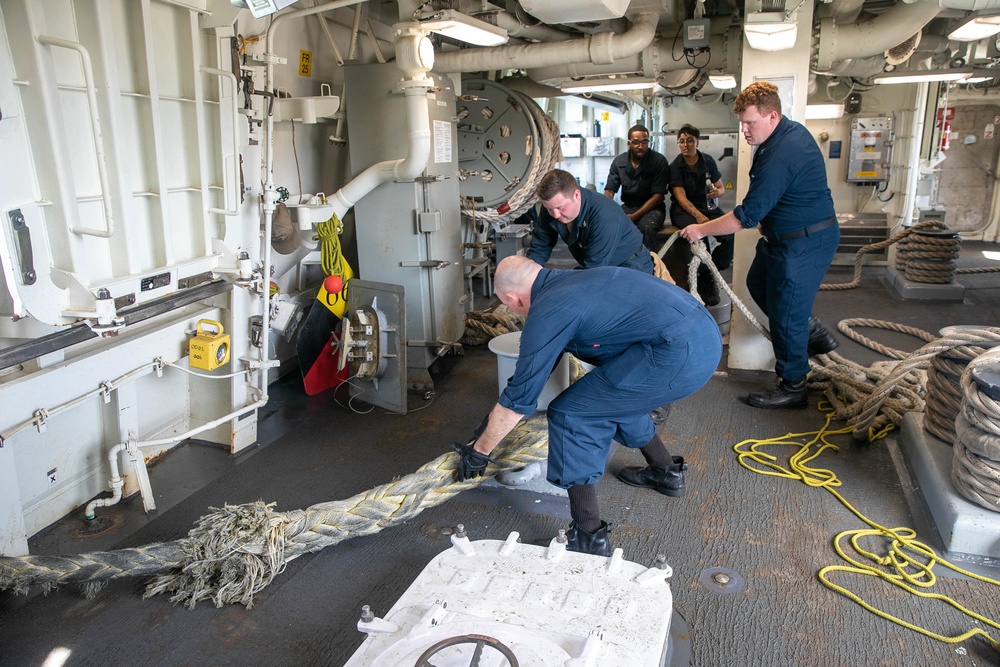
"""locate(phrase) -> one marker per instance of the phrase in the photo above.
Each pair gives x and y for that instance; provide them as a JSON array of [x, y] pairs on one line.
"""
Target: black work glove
[[471, 463]]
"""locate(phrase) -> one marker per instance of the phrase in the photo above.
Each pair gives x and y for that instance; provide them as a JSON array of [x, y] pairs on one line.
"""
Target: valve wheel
[[481, 643]]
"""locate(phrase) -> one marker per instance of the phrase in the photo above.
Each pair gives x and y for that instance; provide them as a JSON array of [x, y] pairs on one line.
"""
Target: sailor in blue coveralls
[[596, 230], [790, 204], [652, 343]]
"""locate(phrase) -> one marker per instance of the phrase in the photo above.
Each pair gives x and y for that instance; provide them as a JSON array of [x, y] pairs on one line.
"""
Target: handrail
[[95, 122], [229, 76]]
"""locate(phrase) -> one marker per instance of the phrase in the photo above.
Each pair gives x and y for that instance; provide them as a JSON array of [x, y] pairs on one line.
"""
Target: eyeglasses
[[638, 142], [686, 141]]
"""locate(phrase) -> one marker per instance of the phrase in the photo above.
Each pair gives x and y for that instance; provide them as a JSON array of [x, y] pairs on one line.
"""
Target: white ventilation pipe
[[650, 62], [602, 49], [541, 33], [415, 57], [873, 37], [841, 11]]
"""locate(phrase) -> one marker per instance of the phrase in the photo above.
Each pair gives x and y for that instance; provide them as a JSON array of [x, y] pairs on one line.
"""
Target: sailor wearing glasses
[[642, 174]]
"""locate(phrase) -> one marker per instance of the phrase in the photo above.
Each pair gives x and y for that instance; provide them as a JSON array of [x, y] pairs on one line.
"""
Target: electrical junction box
[[870, 149], [696, 33], [208, 350]]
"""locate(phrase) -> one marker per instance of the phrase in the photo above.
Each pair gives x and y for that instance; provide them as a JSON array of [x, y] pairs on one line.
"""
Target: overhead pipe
[[516, 28], [600, 49], [864, 39], [651, 61]]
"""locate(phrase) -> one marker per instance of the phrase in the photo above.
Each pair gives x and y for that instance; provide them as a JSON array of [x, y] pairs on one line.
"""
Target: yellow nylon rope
[[910, 561]]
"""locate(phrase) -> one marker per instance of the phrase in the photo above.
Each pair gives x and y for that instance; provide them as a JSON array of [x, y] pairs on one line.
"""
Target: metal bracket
[[23, 237], [427, 264]]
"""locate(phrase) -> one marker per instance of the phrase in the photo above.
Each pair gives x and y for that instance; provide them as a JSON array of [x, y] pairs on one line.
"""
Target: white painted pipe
[[603, 48], [116, 482], [405, 169], [875, 36]]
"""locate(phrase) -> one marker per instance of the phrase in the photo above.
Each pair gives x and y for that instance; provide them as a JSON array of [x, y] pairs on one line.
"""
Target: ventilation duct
[[900, 53]]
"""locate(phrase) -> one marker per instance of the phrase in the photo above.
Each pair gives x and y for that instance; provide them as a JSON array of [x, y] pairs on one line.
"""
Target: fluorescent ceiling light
[[596, 85], [261, 8], [975, 27], [722, 81], [769, 31], [464, 28], [824, 111], [920, 76]]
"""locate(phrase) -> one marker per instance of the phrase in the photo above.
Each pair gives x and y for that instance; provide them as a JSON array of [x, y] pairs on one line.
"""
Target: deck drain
[[721, 580]]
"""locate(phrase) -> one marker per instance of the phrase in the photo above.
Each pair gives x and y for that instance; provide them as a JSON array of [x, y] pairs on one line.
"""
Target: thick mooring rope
[[868, 419], [975, 468], [481, 326], [926, 258], [232, 554], [944, 388], [875, 247], [542, 162]]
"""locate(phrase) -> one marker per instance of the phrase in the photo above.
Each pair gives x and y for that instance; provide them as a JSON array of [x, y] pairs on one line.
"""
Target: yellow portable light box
[[208, 350]]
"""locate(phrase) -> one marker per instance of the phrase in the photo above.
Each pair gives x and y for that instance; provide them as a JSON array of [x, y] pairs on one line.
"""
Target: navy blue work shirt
[[692, 179], [788, 188], [601, 235], [640, 183], [595, 315]]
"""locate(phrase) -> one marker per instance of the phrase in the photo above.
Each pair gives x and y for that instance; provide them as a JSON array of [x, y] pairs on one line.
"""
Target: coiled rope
[[233, 553], [904, 561], [481, 326], [875, 247], [904, 383], [542, 161], [944, 387], [929, 257], [975, 468]]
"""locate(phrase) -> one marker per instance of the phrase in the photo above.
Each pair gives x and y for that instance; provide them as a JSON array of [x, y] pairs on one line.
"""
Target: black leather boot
[[821, 340], [785, 395], [669, 481], [595, 543]]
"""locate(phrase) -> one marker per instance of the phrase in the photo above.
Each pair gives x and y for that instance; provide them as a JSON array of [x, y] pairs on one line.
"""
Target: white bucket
[[506, 347]]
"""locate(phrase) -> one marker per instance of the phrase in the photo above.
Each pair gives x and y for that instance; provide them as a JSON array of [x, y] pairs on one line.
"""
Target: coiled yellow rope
[[907, 563]]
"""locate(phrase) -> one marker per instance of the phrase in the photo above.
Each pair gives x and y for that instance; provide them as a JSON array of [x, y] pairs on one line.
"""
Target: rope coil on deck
[[481, 326], [975, 468], [232, 554], [929, 257], [905, 563]]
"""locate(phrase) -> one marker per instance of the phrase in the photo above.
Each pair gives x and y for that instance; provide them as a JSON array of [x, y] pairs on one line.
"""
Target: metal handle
[[234, 209], [95, 126]]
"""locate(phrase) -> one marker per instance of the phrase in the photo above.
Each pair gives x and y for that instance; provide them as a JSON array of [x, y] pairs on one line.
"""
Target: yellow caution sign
[[208, 350]]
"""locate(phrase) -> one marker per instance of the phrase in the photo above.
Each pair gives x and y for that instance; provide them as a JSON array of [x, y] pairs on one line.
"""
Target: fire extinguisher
[[944, 141]]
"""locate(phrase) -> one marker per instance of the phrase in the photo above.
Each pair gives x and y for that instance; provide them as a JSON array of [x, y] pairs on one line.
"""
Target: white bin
[[506, 347]]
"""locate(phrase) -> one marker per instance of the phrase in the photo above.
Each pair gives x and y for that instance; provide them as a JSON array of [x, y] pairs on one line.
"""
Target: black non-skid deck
[[774, 533]]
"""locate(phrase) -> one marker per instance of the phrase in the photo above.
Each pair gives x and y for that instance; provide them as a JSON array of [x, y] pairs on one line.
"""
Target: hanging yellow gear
[[334, 264]]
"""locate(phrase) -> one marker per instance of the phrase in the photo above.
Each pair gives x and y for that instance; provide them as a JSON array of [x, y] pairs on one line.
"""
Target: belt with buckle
[[805, 231]]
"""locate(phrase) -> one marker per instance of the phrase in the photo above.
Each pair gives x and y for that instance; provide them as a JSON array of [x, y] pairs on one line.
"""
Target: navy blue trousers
[[613, 401], [783, 280]]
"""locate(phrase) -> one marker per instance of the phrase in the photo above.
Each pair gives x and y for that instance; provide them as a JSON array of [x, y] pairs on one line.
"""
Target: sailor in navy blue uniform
[[596, 230], [789, 203], [651, 342]]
